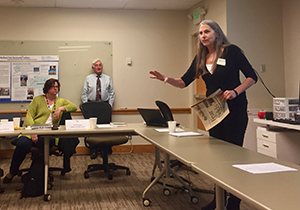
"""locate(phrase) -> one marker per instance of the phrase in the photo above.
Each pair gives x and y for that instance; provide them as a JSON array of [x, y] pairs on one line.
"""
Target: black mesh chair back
[[99, 109], [64, 117], [165, 110], [10, 116]]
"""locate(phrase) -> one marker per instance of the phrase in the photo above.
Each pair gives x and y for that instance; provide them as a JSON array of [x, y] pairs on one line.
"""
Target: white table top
[[213, 158], [277, 124]]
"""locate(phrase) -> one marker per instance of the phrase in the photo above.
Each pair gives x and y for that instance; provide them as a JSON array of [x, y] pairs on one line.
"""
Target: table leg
[[165, 173], [46, 161], [220, 202], [157, 162]]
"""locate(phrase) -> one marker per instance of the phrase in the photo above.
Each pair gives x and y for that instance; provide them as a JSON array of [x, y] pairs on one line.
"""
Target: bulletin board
[[23, 76], [73, 65]]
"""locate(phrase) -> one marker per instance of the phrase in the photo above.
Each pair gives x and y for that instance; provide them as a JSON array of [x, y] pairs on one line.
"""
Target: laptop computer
[[153, 117]]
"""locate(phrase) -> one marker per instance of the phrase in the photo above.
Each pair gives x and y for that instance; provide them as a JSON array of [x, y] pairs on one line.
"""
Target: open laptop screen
[[153, 117]]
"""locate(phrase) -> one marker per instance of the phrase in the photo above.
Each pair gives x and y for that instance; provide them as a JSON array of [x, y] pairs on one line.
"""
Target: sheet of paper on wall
[[211, 110], [263, 168]]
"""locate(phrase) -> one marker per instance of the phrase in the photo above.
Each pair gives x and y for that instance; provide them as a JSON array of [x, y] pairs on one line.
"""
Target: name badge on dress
[[221, 62]]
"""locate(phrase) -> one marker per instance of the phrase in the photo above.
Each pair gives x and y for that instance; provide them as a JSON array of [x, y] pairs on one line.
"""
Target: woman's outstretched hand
[[158, 75]]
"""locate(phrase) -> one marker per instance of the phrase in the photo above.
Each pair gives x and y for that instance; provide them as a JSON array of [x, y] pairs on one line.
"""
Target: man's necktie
[[98, 91]]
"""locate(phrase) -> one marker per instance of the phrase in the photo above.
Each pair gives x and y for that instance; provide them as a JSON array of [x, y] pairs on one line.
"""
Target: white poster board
[[23, 77]]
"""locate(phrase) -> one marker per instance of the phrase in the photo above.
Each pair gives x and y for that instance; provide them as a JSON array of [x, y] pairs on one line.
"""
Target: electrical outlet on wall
[[263, 68]]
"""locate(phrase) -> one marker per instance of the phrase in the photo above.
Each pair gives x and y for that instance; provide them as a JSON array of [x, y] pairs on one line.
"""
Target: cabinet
[[279, 143]]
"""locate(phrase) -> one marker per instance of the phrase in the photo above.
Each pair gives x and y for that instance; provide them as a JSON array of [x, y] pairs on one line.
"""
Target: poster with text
[[23, 77]]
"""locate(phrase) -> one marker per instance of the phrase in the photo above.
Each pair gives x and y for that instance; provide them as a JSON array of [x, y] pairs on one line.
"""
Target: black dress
[[226, 76]]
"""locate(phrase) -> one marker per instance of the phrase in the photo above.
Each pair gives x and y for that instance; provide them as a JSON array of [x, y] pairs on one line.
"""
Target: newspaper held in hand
[[211, 110]]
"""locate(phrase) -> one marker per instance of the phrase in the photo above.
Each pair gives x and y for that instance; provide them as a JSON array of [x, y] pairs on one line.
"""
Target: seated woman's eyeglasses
[[54, 87]]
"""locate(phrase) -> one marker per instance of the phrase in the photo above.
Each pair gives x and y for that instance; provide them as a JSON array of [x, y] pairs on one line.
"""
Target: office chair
[[167, 114], [64, 148], [102, 110], [10, 116]]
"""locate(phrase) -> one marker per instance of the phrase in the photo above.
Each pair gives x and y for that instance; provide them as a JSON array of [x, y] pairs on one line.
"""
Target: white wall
[[291, 34], [153, 39], [256, 27]]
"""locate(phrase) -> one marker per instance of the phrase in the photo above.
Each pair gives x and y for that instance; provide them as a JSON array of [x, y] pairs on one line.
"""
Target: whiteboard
[[75, 62]]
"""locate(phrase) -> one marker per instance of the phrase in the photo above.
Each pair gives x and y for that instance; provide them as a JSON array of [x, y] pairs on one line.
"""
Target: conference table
[[215, 158], [61, 133], [209, 156]]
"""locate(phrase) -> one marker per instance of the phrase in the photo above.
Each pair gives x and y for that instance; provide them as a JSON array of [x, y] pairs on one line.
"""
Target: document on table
[[185, 134], [167, 129], [104, 126], [262, 168]]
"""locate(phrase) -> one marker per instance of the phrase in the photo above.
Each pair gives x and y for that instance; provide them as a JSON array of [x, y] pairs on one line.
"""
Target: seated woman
[[44, 109]]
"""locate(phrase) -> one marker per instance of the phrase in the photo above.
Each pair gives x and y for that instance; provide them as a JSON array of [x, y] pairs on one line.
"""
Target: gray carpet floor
[[72, 191]]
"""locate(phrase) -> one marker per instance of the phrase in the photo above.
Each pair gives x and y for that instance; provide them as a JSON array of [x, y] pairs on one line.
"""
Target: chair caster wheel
[[167, 192], [194, 199], [47, 197], [146, 202], [128, 172], [49, 186], [86, 175], [62, 173]]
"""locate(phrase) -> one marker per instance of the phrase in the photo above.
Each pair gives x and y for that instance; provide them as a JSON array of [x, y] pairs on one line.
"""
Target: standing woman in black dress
[[219, 64]]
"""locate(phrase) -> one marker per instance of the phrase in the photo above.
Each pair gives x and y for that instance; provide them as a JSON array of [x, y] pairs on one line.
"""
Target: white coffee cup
[[172, 126], [17, 121], [93, 122]]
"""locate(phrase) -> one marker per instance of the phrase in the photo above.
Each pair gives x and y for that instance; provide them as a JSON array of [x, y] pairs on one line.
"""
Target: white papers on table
[[262, 168], [167, 129], [77, 124], [6, 126], [184, 134], [104, 126]]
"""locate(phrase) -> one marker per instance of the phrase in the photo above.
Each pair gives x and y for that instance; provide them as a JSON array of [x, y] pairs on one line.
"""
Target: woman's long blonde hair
[[220, 42]]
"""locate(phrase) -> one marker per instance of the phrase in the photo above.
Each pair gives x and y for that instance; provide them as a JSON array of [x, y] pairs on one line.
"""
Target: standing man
[[104, 91], [97, 87]]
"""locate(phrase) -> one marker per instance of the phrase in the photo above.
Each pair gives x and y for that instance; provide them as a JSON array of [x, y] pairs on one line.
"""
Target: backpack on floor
[[34, 179]]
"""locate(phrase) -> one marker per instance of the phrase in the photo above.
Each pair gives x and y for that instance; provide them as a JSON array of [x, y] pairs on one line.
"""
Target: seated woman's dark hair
[[49, 83]]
